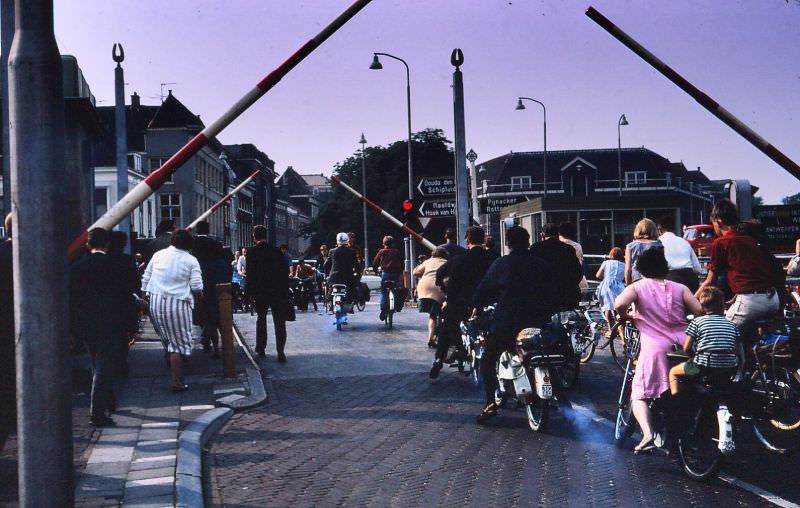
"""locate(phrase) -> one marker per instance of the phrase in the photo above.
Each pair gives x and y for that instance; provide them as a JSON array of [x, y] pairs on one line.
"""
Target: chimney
[[135, 100]]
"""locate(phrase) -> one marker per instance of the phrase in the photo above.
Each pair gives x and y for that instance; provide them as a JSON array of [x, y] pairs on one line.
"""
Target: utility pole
[[363, 142], [7, 33], [460, 151], [122, 138], [39, 201]]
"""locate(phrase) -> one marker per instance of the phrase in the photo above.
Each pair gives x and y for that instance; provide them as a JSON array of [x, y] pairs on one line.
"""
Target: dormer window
[[520, 183], [635, 178]]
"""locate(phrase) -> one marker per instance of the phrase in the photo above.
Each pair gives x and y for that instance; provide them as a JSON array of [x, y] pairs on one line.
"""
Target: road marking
[[741, 484]]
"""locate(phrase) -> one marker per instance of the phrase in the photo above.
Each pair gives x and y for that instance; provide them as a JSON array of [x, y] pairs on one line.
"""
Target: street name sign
[[437, 186], [438, 208], [494, 205]]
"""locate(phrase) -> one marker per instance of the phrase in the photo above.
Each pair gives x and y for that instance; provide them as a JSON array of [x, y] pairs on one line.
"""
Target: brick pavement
[[337, 434], [134, 462]]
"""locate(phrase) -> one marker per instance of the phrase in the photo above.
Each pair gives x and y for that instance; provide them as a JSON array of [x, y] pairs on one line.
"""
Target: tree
[[387, 186], [794, 199]]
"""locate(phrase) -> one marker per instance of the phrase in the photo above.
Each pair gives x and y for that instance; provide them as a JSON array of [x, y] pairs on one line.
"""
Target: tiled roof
[[173, 114]]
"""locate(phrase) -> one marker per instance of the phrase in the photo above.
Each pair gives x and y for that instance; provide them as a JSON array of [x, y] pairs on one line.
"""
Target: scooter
[[341, 307]]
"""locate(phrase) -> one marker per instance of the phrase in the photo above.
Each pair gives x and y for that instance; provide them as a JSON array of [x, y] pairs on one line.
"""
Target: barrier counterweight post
[[224, 298], [156, 179]]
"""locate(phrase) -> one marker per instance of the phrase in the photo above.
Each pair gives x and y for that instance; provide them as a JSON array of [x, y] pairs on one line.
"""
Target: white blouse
[[173, 272]]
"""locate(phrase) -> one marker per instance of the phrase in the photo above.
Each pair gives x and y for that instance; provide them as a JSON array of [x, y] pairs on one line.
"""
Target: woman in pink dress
[[661, 307]]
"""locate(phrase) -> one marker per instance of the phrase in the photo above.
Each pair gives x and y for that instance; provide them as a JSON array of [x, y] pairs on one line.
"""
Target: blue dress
[[612, 284]]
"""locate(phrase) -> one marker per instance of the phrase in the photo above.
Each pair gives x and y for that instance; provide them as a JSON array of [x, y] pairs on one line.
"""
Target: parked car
[[700, 238]]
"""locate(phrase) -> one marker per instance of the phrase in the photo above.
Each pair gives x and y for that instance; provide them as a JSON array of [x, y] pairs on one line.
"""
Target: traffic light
[[408, 209]]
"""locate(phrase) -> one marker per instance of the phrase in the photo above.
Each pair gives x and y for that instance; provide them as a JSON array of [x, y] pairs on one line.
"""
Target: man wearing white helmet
[[342, 265]]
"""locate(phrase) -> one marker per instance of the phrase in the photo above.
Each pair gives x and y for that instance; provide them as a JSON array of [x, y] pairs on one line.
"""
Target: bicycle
[[388, 287]]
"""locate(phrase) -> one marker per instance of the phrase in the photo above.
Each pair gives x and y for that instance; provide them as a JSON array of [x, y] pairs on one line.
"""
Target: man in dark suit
[[211, 256], [8, 405], [97, 320], [462, 275], [127, 281], [161, 241], [268, 286], [567, 272]]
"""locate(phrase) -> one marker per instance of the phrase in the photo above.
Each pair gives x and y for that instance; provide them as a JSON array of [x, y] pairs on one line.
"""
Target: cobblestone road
[[354, 420]]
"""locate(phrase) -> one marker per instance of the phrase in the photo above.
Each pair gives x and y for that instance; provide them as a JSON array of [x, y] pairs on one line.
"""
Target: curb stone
[[258, 393], [189, 471]]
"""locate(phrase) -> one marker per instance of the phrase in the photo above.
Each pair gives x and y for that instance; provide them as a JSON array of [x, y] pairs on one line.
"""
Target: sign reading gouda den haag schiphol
[[781, 225], [494, 205], [437, 186], [438, 208]]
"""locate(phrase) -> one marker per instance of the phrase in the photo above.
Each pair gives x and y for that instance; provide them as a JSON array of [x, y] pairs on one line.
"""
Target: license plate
[[547, 390]]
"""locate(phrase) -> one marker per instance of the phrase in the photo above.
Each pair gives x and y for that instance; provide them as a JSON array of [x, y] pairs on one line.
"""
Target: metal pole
[[707, 102], [122, 138], [157, 178], [39, 201], [622, 121], [7, 33], [460, 150], [411, 249], [544, 120], [363, 142]]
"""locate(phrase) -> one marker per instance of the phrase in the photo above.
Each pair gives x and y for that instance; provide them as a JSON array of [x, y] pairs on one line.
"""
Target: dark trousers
[[103, 360], [685, 276], [278, 307], [451, 328], [501, 340]]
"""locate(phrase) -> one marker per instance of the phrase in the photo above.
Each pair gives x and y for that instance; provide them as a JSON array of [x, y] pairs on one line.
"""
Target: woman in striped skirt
[[171, 276]]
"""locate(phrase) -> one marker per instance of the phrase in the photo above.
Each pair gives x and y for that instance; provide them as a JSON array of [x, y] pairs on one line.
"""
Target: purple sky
[[744, 54]]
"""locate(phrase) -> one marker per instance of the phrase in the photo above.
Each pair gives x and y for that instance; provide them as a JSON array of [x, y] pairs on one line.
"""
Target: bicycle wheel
[[588, 343], [618, 349], [390, 318], [624, 424], [361, 305], [698, 449], [475, 370], [788, 419]]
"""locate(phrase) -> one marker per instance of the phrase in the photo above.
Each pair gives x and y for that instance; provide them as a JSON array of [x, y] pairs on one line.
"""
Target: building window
[[634, 178], [520, 183], [170, 206], [157, 162], [100, 201]]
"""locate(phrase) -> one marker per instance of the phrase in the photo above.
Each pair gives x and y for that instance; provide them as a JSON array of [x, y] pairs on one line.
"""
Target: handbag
[[793, 270]]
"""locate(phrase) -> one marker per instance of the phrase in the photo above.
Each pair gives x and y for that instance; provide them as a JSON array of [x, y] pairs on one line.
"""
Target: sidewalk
[[136, 462]]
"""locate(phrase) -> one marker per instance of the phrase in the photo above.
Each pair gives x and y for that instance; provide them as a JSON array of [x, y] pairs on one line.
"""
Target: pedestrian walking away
[[645, 236], [430, 295], [611, 276], [268, 287], [128, 281], [171, 279], [684, 267], [216, 270], [98, 320], [567, 271]]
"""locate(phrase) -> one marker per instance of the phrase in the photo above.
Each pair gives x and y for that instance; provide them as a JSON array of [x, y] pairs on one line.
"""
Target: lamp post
[[376, 65], [363, 142], [622, 121], [520, 105]]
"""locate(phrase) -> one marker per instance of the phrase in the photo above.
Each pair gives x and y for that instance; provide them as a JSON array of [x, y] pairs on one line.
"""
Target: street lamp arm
[[408, 73], [544, 109]]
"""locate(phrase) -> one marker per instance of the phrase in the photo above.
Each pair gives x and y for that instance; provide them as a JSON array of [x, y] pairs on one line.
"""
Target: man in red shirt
[[390, 264], [739, 258]]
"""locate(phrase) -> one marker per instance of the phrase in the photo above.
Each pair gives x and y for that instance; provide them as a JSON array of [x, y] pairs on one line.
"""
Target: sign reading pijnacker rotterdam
[[494, 205], [438, 208], [437, 186], [781, 225]]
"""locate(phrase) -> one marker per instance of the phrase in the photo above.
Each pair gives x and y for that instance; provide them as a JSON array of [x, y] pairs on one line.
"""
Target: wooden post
[[225, 298]]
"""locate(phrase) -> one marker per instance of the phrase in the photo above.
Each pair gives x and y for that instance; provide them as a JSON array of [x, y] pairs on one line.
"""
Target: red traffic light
[[408, 205]]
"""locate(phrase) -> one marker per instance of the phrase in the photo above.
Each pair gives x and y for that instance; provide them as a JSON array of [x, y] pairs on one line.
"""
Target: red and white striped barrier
[[156, 179], [363, 199], [707, 102], [222, 201]]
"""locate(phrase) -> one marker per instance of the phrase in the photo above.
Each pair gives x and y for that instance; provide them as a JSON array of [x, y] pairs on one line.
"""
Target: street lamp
[[363, 142], [376, 65], [520, 105], [622, 121]]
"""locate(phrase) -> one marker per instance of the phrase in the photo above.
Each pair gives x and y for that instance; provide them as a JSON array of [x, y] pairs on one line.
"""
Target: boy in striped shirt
[[713, 338]]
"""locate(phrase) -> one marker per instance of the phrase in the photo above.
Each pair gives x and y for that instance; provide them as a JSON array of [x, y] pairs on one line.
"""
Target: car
[[700, 237]]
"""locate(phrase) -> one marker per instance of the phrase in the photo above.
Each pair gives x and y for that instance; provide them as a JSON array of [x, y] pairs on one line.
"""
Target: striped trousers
[[172, 319]]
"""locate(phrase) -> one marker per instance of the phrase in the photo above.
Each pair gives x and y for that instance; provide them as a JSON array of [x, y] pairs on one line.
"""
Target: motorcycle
[[531, 374], [304, 293], [341, 306], [473, 335]]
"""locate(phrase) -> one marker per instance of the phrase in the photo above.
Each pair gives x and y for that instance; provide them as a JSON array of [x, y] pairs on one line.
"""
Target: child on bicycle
[[713, 338]]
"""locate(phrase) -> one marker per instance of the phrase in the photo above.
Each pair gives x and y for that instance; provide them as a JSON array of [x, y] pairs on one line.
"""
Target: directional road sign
[[438, 208], [437, 186], [494, 205]]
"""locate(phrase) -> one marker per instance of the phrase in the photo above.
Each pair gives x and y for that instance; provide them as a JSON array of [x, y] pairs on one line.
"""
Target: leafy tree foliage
[[387, 186]]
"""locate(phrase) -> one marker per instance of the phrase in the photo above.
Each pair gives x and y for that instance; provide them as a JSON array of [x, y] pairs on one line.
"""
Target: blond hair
[[645, 229], [712, 299]]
